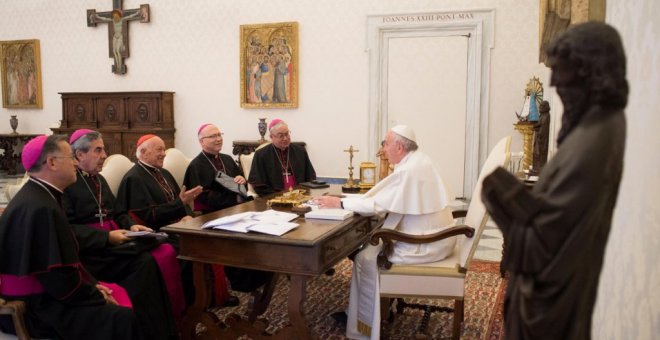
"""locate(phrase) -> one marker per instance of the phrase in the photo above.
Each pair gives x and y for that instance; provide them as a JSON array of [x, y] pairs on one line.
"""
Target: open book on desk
[[268, 222]]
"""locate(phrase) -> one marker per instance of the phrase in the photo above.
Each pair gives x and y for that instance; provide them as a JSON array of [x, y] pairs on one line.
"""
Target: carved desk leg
[[198, 312], [297, 292]]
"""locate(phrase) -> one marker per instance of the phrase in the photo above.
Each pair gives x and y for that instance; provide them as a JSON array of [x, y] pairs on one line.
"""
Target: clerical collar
[[149, 167], [210, 155], [84, 173], [49, 185], [405, 158]]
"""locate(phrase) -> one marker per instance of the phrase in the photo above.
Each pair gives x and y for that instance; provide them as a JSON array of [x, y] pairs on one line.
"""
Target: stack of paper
[[329, 214], [268, 222]]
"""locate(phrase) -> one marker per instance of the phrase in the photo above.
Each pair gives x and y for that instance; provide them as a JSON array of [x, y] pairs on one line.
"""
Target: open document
[[268, 222]]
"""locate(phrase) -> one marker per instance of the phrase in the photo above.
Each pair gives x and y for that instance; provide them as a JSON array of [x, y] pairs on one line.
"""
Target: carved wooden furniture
[[122, 117], [444, 279], [17, 311], [245, 147], [309, 250], [9, 160]]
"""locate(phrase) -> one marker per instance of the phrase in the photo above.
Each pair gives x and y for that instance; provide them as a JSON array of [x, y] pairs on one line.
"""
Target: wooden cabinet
[[122, 117]]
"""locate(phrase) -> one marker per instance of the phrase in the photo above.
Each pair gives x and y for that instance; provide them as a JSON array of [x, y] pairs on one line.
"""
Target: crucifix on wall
[[117, 21]]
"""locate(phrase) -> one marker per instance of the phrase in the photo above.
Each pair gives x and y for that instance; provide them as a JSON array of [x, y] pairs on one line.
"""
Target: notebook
[[329, 214]]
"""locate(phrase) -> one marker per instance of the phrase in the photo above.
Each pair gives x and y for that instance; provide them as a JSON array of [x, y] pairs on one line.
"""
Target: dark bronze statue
[[556, 232], [541, 137]]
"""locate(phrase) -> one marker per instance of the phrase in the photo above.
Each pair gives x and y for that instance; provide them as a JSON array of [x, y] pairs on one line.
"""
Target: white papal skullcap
[[405, 131]]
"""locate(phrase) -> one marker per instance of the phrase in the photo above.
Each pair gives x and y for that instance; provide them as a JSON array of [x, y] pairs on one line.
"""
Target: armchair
[[114, 169], [176, 163], [17, 311], [245, 161], [443, 279]]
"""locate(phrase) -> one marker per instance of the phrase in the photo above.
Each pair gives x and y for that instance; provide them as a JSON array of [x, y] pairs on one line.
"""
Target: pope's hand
[[327, 202]]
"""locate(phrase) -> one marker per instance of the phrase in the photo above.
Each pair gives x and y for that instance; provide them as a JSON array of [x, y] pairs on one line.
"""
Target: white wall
[[192, 48], [628, 304]]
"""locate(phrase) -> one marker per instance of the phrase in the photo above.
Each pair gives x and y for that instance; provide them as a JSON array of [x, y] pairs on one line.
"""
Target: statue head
[[588, 69]]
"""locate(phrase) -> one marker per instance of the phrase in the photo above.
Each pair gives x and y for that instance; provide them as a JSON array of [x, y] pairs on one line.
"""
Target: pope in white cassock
[[416, 201]]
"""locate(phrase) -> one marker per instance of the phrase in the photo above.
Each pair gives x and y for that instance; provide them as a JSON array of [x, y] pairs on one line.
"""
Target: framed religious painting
[[269, 65], [21, 74]]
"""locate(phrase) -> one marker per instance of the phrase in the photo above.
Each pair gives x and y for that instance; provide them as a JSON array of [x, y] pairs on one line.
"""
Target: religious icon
[[21, 74], [269, 65]]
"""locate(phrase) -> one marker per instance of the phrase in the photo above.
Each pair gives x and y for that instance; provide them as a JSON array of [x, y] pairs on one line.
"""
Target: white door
[[427, 90]]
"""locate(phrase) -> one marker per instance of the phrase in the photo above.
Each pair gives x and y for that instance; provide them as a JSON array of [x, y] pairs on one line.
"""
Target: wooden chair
[[17, 311], [114, 169], [443, 279], [176, 162]]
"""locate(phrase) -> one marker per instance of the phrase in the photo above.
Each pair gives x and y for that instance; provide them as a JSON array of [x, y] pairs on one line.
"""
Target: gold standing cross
[[350, 184]]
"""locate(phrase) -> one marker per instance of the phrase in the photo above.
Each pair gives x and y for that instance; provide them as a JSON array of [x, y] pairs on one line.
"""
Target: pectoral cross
[[101, 215], [117, 21]]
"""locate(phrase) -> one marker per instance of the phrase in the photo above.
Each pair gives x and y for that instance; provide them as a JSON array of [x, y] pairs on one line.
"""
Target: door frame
[[478, 26]]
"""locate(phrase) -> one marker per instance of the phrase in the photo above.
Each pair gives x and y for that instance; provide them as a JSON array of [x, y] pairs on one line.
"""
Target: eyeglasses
[[214, 136], [282, 134]]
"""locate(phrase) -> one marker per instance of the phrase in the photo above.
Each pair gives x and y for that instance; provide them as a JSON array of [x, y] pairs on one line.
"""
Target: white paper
[[227, 219], [269, 222]]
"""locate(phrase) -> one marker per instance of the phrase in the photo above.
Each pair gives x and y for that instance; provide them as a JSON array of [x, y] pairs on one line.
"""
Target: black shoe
[[330, 271], [340, 317], [232, 301]]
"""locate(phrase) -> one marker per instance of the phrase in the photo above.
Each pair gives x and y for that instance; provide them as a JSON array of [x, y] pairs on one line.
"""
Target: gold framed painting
[[21, 74], [269, 65]]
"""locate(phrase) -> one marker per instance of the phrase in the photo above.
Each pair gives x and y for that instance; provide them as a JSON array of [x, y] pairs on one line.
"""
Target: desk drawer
[[344, 243]]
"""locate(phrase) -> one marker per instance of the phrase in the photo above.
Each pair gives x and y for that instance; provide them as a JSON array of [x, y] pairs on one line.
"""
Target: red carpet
[[327, 294]]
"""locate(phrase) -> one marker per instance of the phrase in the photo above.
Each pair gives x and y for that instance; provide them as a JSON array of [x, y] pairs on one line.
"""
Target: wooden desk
[[309, 250], [8, 160]]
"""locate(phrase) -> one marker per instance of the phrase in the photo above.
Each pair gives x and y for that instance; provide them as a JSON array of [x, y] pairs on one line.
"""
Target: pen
[[325, 193]]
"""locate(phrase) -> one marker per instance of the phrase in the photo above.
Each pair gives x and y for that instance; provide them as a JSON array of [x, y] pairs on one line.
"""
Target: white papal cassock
[[416, 199]]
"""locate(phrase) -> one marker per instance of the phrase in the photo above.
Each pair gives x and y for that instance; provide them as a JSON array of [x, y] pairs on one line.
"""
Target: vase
[[262, 129], [13, 122]]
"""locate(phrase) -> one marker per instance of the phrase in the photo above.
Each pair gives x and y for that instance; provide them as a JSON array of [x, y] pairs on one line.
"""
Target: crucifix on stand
[[117, 21], [350, 185]]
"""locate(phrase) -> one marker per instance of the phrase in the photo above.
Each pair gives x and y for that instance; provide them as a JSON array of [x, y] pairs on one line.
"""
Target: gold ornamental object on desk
[[350, 186], [367, 175], [292, 197]]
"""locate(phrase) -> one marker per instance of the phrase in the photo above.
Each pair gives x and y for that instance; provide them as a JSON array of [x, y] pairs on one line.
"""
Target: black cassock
[[147, 201], [556, 233], [37, 243], [269, 164], [137, 273], [201, 171]]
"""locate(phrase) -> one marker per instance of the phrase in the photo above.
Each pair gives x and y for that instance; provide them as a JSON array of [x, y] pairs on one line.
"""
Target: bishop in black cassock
[[39, 261], [202, 171], [280, 165], [89, 203], [149, 194]]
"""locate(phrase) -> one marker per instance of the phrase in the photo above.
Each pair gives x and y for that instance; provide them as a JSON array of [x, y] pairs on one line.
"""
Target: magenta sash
[[13, 285], [165, 257], [108, 225]]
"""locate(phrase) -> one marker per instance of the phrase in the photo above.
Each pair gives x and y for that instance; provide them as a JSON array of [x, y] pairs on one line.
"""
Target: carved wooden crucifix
[[117, 21]]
